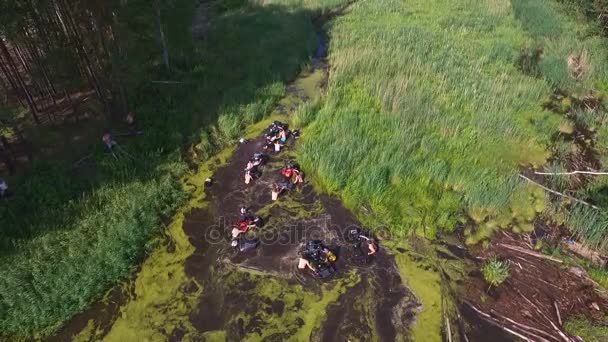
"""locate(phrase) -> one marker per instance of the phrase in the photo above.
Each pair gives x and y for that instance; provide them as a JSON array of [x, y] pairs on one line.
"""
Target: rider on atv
[[255, 161], [246, 223], [252, 170], [292, 172], [245, 245], [318, 258], [357, 237], [277, 135]]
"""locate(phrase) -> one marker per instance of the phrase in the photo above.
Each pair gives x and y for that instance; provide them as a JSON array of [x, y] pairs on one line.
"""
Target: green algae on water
[[310, 84], [159, 304], [304, 309], [425, 282]]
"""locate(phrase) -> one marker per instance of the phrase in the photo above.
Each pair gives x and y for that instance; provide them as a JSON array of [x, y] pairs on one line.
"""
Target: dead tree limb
[[448, 329], [531, 253], [559, 316], [571, 173], [560, 333], [559, 193], [495, 322], [523, 326], [170, 82]]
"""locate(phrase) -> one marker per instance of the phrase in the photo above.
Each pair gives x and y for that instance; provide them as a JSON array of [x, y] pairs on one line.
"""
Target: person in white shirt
[[3, 188]]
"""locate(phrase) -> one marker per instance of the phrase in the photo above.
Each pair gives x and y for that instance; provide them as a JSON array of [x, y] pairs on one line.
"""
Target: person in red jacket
[[292, 172]]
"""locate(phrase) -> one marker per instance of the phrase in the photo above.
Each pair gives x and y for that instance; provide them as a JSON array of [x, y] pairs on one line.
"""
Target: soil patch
[[539, 296]]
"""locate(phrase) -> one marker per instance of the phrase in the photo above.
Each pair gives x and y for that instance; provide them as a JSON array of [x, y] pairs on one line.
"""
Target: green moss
[[160, 282], [310, 84], [214, 336], [304, 309], [425, 282], [89, 333]]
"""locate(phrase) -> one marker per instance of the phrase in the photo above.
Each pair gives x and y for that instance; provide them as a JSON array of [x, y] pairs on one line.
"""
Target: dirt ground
[[540, 295]]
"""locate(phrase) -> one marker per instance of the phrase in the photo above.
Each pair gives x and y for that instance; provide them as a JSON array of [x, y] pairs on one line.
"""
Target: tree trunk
[[9, 77], [161, 32], [72, 104], [80, 48], [37, 59], [26, 92], [22, 59]]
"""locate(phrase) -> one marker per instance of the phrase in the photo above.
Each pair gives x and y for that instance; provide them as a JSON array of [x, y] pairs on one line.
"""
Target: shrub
[[495, 271]]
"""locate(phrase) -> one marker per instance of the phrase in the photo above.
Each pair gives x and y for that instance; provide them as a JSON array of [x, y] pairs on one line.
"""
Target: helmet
[[287, 172], [354, 233]]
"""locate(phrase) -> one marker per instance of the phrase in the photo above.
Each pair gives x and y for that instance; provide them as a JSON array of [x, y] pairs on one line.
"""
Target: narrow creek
[[196, 287]]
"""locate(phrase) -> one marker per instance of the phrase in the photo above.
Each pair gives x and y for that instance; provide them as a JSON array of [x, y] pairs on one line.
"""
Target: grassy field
[[433, 107], [69, 234]]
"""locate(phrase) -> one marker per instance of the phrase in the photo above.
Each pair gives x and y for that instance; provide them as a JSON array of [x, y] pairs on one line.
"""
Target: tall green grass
[[51, 277], [590, 226], [429, 117], [68, 234], [587, 329]]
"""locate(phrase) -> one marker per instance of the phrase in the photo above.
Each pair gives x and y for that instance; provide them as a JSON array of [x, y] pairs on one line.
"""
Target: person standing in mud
[[249, 176], [282, 136]]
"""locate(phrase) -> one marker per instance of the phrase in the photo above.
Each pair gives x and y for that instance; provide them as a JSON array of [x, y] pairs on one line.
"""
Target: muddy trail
[[372, 299]]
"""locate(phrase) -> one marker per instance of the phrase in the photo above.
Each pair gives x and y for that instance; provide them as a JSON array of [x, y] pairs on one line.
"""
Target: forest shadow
[[242, 66], [233, 77]]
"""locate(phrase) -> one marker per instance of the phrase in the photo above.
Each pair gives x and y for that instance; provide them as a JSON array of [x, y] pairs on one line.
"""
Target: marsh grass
[[429, 116], [590, 226]]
